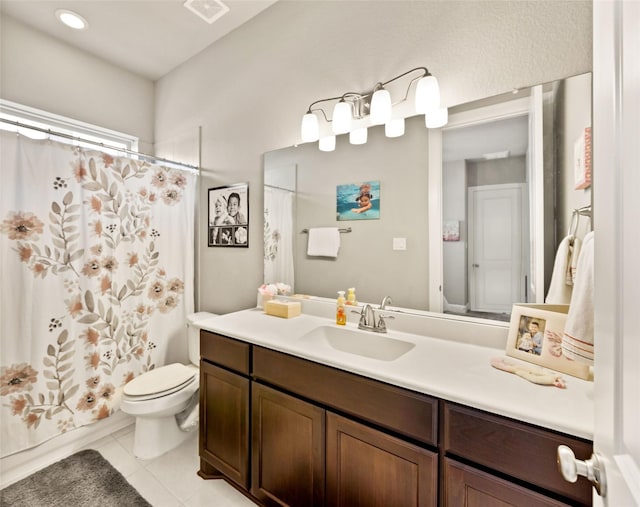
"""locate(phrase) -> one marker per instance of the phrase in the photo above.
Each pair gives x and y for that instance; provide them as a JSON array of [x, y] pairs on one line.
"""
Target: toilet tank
[[193, 334]]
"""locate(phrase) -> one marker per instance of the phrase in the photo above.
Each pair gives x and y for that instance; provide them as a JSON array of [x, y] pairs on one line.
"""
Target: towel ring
[[575, 221]]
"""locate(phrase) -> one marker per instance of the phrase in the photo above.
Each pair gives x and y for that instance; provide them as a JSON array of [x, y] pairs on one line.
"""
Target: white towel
[[574, 255], [577, 341], [559, 291], [323, 242]]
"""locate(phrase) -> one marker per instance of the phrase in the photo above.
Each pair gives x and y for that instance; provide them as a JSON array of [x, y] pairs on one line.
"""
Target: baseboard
[[457, 308], [22, 464]]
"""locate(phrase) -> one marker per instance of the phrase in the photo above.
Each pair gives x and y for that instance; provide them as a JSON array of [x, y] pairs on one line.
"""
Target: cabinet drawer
[[406, 412], [227, 352], [465, 486], [516, 449]]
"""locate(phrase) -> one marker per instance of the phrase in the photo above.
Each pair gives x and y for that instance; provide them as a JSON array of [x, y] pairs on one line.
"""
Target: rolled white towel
[[559, 291]]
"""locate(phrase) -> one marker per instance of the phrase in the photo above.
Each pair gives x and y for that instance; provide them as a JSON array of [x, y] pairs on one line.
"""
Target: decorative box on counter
[[284, 309]]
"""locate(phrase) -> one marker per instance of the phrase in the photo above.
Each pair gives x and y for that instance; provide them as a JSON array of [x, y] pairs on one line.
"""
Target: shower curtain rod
[[102, 145]]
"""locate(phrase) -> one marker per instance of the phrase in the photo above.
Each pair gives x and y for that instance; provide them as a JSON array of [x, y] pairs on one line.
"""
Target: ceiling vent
[[209, 10]]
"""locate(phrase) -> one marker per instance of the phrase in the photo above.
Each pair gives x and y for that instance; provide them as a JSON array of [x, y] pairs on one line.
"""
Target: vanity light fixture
[[71, 19], [327, 143], [354, 112], [358, 136]]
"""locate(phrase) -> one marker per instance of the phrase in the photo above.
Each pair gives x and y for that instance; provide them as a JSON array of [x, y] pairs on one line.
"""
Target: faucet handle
[[382, 325]]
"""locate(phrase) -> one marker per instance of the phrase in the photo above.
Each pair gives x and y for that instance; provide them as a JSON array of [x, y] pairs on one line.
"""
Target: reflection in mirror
[[370, 257], [279, 201], [486, 167], [508, 184]]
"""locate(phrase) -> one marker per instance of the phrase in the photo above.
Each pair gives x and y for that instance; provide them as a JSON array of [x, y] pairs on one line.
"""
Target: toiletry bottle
[[351, 297], [341, 314]]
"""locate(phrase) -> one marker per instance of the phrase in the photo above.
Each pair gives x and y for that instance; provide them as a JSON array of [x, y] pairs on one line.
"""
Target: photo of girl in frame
[[228, 216], [358, 201]]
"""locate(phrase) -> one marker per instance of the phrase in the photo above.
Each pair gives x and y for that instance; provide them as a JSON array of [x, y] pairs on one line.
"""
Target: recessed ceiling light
[[209, 10], [72, 19]]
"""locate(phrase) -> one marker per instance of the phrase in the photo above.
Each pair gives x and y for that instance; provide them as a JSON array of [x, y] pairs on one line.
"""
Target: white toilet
[[165, 400]]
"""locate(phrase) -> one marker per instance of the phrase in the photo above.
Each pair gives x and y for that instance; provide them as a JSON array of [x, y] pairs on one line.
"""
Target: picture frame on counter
[[535, 336]]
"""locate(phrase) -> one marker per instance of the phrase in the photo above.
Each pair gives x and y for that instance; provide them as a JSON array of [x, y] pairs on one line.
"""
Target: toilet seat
[[160, 382]]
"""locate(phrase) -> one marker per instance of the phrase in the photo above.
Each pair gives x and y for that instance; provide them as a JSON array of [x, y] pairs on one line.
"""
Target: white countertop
[[444, 368]]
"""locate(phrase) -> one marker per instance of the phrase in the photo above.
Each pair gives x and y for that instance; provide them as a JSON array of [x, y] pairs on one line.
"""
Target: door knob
[[476, 265], [592, 469]]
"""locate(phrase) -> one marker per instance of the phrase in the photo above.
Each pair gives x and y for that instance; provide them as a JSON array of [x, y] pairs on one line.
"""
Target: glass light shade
[[309, 130], [437, 119], [394, 128], [327, 143], [427, 95], [358, 136], [71, 19], [341, 120], [380, 107]]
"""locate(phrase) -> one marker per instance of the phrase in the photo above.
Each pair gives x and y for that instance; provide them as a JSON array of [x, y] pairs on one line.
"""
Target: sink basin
[[362, 343]]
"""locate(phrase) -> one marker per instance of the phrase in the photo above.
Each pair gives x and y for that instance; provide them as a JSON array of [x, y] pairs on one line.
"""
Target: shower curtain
[[97, 278], [278, 236]]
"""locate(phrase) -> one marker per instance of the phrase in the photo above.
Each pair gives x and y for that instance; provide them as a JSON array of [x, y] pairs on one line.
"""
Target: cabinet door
[[369, 468], [224, 422], [469, 487], [287, 449]]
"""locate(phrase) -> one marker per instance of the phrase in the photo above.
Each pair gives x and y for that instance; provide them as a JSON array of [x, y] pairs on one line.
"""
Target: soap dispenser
[[341, 314], [351, 297]]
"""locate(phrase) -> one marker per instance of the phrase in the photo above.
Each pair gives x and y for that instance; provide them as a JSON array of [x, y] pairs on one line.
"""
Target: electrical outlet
[[399, 243]]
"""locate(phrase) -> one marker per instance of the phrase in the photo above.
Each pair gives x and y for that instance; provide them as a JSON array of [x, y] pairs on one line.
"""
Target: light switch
[[399, 243]]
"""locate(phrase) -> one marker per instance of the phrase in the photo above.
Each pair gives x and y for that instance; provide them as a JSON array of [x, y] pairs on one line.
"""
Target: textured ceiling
[[148, 37]]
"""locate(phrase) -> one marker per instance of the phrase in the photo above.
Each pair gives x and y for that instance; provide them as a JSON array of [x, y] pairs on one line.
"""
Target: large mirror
[[501, 177]]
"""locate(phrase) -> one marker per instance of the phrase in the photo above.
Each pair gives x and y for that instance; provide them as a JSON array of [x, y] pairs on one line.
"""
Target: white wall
[[42, 72], [573, 116], [249, 90]]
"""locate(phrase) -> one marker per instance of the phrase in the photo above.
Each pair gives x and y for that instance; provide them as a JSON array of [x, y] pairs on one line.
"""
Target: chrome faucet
[[385, 301], [368, 318]]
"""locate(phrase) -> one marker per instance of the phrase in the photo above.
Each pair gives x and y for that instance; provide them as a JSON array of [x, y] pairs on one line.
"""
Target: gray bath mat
[[84, 479]]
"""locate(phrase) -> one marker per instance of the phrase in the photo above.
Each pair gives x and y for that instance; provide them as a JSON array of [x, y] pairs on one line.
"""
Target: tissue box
[[284, 309]]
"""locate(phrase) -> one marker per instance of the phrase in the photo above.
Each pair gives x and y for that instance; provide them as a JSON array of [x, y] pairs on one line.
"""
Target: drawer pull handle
[[592, 469]]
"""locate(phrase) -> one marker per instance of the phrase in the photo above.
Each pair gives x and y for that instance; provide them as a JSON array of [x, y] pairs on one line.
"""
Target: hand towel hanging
[[577, 341], [323, 242], [559, 291]]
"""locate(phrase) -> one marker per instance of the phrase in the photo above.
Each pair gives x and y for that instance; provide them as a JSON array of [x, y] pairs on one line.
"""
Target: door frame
[[616, 126]]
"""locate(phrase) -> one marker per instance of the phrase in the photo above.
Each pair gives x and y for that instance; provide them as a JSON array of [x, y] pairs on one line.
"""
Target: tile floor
[[169, 480]]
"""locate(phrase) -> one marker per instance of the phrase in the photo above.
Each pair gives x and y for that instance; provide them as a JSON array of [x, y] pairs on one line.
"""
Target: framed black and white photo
[[228, 223]]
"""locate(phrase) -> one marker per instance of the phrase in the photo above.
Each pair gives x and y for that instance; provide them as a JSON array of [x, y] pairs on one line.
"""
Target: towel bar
[[348, 229]]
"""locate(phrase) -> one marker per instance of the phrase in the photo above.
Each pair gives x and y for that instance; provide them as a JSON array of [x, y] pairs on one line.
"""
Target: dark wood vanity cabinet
[[288, 449], [224, 409], [331, 459], [467, 486], [367, 467], [520, 453], [291, 432]]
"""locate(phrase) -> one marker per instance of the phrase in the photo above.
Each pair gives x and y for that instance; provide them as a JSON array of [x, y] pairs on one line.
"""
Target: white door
[[496, 232], [616, 178]]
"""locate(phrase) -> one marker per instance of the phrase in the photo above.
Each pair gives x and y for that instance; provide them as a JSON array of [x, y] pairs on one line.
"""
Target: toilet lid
[[159, 380]]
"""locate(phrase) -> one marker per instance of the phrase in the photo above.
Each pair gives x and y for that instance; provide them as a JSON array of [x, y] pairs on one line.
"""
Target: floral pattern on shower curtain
[[278, 236], [97, 279]]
